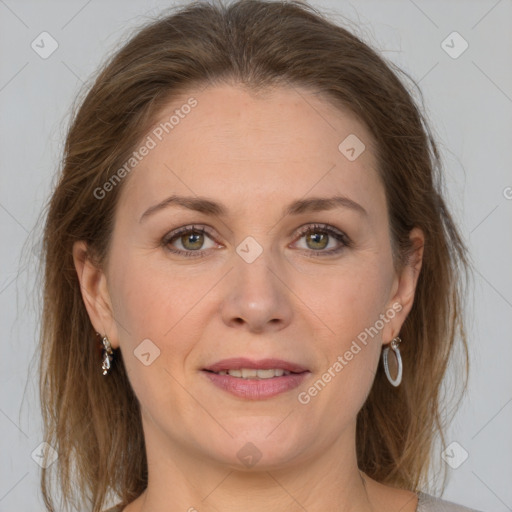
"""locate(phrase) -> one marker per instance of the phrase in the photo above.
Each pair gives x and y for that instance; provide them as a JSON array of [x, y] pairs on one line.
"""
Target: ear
[[404, 288], [95, 294]]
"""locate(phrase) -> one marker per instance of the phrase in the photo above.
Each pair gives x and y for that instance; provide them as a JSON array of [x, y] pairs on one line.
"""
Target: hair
[[94, 422]]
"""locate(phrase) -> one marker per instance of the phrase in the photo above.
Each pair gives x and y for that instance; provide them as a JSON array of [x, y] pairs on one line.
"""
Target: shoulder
[[426, 503], [429, 503]]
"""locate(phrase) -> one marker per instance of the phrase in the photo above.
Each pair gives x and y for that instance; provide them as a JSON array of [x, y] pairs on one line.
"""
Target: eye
[[318, 236], [191, 239]]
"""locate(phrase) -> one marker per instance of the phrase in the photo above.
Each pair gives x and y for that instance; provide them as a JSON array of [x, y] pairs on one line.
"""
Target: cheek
[[151, 314], [354, 300], [142, 316], [352, 305], [153, 303], [352, 345], [147, 299]]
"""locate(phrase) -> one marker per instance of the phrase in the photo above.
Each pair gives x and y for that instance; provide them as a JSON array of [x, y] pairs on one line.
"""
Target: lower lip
[[256, 389]]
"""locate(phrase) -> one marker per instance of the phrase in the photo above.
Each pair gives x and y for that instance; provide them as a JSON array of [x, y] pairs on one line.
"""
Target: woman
[[249, 218]]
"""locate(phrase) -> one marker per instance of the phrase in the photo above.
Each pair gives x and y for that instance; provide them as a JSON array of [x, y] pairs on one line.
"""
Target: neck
[[272, 492], [179, 479]]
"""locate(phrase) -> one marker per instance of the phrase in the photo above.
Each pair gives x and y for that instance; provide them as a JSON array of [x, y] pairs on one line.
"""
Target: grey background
[[469, 103]]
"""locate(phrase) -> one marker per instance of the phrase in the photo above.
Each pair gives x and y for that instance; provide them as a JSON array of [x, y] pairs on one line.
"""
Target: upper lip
[[237, 363]]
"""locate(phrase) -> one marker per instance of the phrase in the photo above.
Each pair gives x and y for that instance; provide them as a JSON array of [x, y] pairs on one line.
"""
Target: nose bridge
[[255, 266], [256, 293]]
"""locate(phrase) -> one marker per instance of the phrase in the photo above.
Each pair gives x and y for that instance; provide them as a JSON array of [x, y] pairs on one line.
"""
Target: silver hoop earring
[[394, 346], [107, 355]]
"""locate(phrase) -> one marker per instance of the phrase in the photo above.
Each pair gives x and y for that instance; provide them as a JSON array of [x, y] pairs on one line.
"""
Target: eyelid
[[306, 228], [330, 230], [186, 229]]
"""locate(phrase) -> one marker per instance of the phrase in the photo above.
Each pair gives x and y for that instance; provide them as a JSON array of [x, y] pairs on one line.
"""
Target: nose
[[257, 297]]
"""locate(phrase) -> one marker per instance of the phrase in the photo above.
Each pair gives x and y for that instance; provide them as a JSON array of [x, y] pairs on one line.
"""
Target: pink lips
[[255, 389], [236, 363]]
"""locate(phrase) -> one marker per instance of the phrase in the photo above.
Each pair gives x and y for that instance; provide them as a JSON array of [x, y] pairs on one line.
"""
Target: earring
[[394, 346], [107, 355]]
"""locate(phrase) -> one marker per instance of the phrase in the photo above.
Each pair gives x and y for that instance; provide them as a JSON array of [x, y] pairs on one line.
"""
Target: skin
[[254, 154]]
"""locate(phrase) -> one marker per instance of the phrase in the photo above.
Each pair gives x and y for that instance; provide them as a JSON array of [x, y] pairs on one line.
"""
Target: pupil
[[189, 238], [317, 236]]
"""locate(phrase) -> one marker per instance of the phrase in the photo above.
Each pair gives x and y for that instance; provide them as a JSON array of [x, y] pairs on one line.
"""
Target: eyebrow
[[210, 207]]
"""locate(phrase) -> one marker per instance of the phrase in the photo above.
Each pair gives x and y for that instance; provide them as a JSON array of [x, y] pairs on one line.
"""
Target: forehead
[[282, 144]]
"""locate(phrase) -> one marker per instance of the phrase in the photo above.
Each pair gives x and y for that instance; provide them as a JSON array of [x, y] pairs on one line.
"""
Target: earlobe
[[93, 287]]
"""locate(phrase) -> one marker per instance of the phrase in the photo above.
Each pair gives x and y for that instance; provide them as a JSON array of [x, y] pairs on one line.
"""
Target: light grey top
[[429, 503], [426, 503]]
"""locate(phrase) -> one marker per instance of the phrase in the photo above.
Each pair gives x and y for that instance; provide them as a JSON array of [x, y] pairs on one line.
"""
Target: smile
[[251, 373], [252, 386]]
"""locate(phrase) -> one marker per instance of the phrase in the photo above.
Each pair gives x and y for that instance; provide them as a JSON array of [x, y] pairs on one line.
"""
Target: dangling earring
[[107, 355], [394, 346]]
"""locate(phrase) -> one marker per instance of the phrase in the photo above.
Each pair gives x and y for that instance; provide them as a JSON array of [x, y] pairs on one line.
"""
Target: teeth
[[251, 373]]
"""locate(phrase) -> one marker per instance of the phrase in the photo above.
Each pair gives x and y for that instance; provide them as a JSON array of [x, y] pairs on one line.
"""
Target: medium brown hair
[[94, 421]]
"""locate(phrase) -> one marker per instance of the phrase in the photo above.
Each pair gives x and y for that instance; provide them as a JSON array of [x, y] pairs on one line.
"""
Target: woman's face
[[274, 275]]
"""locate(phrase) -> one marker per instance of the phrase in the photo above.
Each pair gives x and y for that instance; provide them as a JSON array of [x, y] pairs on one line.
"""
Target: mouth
[[251, 373], [259, 374], [255, 380], [247, 365]]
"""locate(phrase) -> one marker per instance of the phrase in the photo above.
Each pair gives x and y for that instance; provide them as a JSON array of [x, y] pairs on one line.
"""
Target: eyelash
[[314, 228]]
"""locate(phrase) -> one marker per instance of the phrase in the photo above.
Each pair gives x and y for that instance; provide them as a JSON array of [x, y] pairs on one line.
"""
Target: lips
[[251, 379], [239, 363]]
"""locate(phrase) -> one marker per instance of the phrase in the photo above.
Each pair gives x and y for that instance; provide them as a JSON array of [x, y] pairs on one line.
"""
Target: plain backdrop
[[468, 100]]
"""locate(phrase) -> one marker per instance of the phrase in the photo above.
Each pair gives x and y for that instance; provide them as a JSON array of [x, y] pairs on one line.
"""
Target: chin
[[262, 448]]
